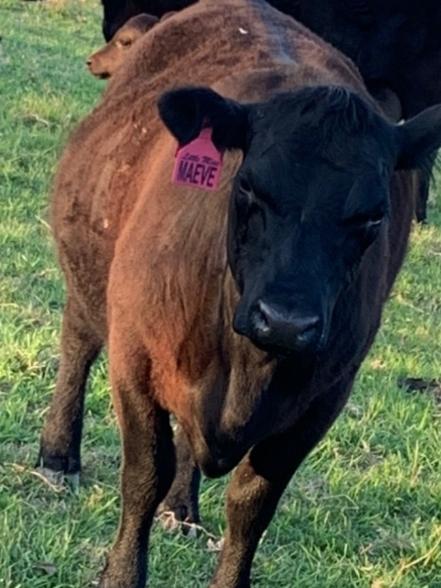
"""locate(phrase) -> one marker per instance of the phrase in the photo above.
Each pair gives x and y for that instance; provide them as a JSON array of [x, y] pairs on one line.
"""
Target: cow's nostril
[[261, 320], [304, 326], [306, 331], [272, 326], [89, 62]]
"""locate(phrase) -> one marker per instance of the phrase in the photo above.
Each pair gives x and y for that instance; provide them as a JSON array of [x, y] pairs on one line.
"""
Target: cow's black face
[[309, 200]]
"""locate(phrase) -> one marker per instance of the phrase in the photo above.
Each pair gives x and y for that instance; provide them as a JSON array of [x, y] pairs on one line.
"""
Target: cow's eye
[[365, 221], [124, 42], [245, 186], [244, 195], [373, 224]]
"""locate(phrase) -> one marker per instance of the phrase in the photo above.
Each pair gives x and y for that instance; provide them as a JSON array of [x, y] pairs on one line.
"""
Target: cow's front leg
[[182, 501], [147, 469], [259, 482]]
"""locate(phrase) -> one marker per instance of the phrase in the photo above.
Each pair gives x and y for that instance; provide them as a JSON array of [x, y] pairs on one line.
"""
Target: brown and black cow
[[245, 310], [396, 45]]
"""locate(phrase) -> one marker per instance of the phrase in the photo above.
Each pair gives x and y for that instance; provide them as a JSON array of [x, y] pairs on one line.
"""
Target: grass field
[[365, 509]]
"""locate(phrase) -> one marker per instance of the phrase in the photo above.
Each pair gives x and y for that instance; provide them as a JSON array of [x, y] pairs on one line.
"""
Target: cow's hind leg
[[148, 465], [181, 505], [258, 484], [61, 438]]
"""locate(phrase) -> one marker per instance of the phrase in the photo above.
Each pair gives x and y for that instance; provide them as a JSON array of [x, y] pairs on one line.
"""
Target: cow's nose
[[276, 328]]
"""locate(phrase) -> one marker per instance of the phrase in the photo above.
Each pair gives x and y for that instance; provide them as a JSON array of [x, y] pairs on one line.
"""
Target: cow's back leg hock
[[182, 500], [258, 484], [60, 442], [148, 465]]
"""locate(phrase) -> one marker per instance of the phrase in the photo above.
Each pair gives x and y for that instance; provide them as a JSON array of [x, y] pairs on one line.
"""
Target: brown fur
[[145, 266]]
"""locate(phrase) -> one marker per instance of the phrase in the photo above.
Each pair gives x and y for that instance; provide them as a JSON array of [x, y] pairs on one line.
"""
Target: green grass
[[364, 511]]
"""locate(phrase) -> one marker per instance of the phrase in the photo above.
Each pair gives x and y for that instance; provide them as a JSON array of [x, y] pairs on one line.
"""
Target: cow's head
[[104, 62], [311, 196]]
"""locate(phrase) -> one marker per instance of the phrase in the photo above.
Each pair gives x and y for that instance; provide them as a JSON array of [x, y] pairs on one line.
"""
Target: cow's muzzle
[[281, 331]]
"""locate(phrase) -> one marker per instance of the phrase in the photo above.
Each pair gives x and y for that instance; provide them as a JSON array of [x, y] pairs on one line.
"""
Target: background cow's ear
[[419, 138], [187, 110]]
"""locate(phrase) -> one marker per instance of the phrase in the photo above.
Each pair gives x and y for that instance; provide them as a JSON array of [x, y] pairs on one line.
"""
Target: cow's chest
[[236, 414]]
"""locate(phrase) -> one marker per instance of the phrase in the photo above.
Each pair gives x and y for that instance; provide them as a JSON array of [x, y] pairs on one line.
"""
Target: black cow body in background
[[117, 12], [396, 44]]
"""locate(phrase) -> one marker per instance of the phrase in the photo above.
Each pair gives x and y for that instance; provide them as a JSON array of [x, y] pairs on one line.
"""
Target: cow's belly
[[85, 258]]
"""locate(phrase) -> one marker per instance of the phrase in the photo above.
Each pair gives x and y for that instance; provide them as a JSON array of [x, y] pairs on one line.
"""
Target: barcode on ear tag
[[199, 163]]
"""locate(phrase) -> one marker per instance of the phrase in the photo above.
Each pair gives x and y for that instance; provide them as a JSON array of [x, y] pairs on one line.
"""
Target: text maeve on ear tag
[[199, 163]]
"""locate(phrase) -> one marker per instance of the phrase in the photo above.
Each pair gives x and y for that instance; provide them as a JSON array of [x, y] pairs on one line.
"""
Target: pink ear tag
[[199, 163]]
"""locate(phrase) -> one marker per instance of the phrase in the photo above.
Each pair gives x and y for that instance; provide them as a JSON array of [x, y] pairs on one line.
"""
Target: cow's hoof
[[58, 479], [58, 469]]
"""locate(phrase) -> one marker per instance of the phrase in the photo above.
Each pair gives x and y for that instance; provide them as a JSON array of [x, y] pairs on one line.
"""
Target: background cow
[[104, 62], [245, 312], [395, 44]]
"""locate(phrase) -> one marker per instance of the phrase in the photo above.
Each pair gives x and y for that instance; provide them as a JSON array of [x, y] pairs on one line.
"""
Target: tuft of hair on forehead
[[330, 108], [330, 123]]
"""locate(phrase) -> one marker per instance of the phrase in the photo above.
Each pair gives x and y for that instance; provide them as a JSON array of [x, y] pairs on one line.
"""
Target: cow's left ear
[[187, 110], [419, 138]]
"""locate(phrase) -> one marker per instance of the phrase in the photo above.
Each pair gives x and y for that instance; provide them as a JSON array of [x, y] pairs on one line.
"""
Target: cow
[[242, 304], [395, 44], [104, 62]]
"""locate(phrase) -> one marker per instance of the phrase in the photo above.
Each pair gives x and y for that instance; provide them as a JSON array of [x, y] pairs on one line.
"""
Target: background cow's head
[[104, 62], [310, 198]]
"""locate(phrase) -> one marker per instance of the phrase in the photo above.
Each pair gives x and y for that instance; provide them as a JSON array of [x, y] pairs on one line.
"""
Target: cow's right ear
[[187, 110]]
